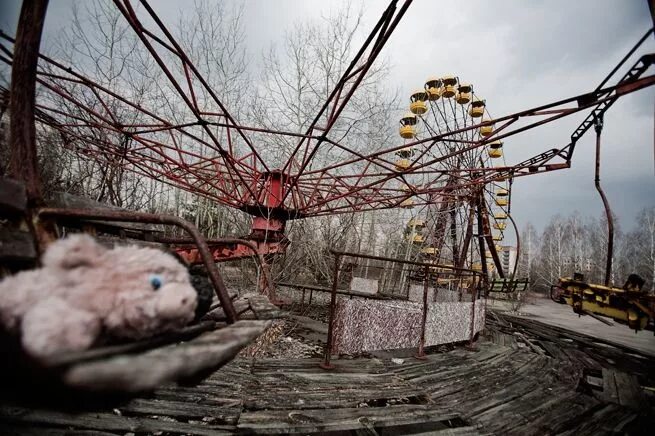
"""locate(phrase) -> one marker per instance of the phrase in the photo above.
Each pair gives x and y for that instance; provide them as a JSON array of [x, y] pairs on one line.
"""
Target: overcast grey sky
[[518, 55]]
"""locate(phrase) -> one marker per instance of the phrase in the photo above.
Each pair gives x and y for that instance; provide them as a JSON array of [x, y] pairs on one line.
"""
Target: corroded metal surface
[[362, 325]]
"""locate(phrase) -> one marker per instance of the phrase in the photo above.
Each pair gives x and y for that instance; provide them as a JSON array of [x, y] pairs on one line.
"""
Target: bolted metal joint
[[598, 123]]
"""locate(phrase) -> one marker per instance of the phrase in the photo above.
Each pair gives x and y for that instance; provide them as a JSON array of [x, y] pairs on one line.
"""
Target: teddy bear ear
[[74, 251]]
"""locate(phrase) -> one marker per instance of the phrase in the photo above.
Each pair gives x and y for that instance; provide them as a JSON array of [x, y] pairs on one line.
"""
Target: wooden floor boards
[[504, 387]]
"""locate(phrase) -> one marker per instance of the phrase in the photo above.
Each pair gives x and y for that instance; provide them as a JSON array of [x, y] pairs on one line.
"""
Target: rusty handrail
[[420, 353], [408, 262], [149, 218]]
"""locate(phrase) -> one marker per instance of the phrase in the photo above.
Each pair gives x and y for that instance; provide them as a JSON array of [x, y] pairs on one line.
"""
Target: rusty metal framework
[[206, 151]]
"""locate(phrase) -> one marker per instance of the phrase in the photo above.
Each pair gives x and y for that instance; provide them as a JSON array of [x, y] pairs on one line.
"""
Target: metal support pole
[[598, 126], [420, 354], [483, 256], [23, 162], [453, 236], [333, 302], [474, 295], [266, 286], [516, 230]]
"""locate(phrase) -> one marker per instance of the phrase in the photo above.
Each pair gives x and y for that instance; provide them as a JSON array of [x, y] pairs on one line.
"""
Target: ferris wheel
[[443, 224]]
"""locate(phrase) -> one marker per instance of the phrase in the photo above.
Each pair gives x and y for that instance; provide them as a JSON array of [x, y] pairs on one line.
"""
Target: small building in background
[[508, 258]]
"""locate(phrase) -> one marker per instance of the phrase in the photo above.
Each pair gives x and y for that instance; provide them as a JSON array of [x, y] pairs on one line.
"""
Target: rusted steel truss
[[212, 155], [234, 173]]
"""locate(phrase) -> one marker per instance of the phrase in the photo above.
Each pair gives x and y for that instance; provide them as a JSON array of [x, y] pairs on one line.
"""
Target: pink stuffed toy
[[84, 290]]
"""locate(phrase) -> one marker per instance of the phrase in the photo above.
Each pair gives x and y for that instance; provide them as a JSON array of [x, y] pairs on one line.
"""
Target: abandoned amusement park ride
[[450, 168]]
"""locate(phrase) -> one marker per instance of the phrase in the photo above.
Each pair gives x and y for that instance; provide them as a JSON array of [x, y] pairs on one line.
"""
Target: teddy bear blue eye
[[156, 281]]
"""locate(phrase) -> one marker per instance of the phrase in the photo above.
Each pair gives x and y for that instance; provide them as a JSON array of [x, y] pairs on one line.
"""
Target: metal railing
[[149, 218], [431, 272]]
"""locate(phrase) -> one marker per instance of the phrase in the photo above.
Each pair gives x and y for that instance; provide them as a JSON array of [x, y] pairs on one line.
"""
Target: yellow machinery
[[417, 223], [448, 89], [433, 88], [502, 196], [486, 130], [464, 93], [403, 163], [476, 110], [498, 237], [628, 304], [417, 102], [416, 238], [500, 216], [495, 149], [413, 230], [429, 251], [408, 126], [500, 226], [408, 203], [445, 276]]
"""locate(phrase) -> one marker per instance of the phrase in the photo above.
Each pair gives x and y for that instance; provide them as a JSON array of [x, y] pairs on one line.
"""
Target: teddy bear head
[[137, 291]]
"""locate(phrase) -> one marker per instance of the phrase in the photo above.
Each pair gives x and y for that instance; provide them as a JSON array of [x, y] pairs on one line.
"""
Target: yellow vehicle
[[628, 304]]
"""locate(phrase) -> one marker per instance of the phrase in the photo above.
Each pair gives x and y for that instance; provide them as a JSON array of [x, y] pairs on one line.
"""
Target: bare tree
[[529, 253]]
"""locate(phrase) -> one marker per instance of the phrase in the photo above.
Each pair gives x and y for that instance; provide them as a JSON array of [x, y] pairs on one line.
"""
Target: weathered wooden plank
[[609, 386], [371, 366], [16, 245], [463, 431], [207, 397], [629, 390], [553, 350], [217, 314], [606, 419], [469, 368], [497, 389], [182, 334], [307, 421], [551, 417], [298, 397], [263, 308], [106, 422], [516, 414], [181, 409], [146, 371], [516, 385], [13, 196], [581, 357], [7, 429]]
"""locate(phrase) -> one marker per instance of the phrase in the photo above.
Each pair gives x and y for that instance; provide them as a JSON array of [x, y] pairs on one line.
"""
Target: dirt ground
[[561, 315]]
